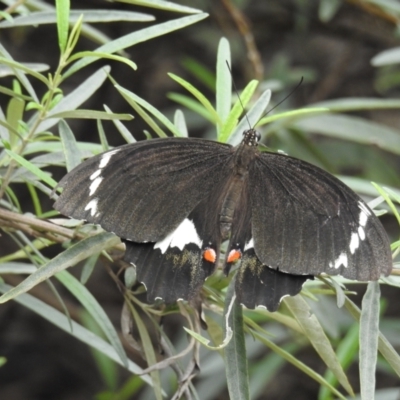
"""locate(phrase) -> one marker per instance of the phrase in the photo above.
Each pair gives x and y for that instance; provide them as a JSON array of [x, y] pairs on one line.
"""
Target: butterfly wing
[[256, 283], [176, 267], [143, 191], [306, 221]]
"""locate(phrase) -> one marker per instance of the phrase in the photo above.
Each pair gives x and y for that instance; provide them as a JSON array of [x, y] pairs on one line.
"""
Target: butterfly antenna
[[284, 99], [237, 94]]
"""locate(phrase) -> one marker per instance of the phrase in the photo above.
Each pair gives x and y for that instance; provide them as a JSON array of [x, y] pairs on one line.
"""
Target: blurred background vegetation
[[337, 46]]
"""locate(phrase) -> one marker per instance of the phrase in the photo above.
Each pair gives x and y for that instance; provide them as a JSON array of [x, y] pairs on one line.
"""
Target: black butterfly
[[174, 201]]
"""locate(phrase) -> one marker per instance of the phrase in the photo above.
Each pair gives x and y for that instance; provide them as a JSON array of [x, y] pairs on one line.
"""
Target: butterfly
[[174, 201]]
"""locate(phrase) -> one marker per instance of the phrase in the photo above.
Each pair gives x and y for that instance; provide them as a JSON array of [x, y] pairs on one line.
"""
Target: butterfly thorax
[[244, 156]]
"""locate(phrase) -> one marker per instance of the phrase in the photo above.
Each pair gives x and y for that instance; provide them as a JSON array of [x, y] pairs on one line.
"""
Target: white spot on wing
[[105, 159], [363, 218], [92, 206], [354, 242], [95, 174], [184, 234], [95, 184], [341, 260], [361, 233], [249, 244]]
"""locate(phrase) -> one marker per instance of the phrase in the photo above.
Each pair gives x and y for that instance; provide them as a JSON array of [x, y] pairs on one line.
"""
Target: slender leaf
[[89, 16], [128, 95], [121, 128], [384, 347], [148, 351], [313, 330], [162, 5], [238, 109], [369, 332], [131, 39], [68, 258], [353, 128], [71, 151], [199, 96], [78, 331], [224, 82], [237, 374], [95, 310], [32, 168], [74, 99], [62, 7]]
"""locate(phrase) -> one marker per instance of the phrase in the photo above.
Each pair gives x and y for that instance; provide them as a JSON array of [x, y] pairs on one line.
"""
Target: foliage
[[29, 149]]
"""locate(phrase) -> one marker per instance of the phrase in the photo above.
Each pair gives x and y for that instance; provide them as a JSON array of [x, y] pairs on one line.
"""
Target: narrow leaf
[[70, 149], [95, 310], [140, 36], [32, 168], [224, 82], [62, 7], [313, 330], [68, 258], [74, 99], [199, 96], [237, 373], [369, 332], [78, 331]]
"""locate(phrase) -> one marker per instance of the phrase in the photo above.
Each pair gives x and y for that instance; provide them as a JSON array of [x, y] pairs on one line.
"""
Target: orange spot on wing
[[233, 256], [209, 255]]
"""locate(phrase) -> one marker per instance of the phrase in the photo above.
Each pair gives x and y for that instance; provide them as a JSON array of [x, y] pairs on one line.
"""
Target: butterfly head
[[251, 137]]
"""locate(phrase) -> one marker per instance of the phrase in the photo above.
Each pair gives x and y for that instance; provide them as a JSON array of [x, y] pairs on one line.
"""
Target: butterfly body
[[174, 201]]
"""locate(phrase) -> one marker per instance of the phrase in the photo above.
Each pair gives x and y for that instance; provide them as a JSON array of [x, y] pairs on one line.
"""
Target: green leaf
[[314, 332], [180, 123], [133, 38], [384, 347], [298, 364], [129, 96], [95, 310], [223, 83], [354, 129], [32, 168], [369, 332], [70, 149], [237, 110], [121, 128], [90, 114], [346, 352], [62, 7], [162, 5], [73, 100], [237, 374], [191, 104], [78, 331], [69, 258], [143, 114], [21, 77], [101, 55], [199, 96], [148, 350], [90, 16]]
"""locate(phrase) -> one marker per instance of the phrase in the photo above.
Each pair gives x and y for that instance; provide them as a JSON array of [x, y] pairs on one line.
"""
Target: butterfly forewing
[[142, 192], [305, 221]]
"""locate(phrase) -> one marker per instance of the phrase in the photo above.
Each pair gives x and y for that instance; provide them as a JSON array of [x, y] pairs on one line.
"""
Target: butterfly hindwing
[[176, 266], [305, 221], [142, 191]]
